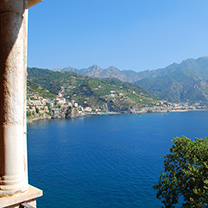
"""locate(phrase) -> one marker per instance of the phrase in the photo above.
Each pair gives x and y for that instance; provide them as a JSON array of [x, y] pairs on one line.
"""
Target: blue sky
[[128, 34]]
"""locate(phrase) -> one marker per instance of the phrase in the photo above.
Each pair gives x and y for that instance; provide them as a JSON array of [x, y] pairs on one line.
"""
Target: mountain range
[[184, 82], [97, 72], [108, 94]]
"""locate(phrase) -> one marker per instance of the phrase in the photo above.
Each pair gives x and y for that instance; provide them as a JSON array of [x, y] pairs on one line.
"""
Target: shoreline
[[31, 121]]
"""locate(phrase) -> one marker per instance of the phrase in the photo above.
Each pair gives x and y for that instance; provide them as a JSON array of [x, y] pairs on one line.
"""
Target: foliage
[[87, 91], [32, 87], [175, 87], [182, 82], [186, 174]]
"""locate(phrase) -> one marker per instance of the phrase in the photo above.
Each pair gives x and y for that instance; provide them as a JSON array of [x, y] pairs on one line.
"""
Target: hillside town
[[60, 107]]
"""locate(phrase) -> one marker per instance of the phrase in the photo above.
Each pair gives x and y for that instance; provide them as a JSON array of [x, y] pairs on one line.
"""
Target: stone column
[[13, 49], [14, 188], [13, 157]]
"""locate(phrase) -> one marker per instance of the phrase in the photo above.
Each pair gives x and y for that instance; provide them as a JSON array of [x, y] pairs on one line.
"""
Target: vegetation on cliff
[[184, 82], [107, 94]]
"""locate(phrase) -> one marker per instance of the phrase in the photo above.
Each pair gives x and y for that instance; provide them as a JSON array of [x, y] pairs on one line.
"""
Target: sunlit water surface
[[105, 161]]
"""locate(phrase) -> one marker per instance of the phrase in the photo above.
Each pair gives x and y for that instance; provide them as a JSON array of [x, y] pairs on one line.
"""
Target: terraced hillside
[[108, 94]]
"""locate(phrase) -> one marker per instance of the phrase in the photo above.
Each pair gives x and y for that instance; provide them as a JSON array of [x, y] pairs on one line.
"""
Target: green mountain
[[193, 67], [108, 94], [34, 88], [185, 82]]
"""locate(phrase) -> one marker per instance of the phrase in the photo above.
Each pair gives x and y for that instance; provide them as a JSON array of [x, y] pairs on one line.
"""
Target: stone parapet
[[27, 197]]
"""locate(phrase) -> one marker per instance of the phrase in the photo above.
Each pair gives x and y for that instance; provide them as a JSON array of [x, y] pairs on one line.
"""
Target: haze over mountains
[[111, 72], [187, 81]]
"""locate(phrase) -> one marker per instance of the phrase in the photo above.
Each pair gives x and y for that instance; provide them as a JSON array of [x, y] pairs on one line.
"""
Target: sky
[[128, 34]]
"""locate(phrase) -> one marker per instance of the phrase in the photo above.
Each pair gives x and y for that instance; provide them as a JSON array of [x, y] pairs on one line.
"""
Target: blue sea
[[105, 161]]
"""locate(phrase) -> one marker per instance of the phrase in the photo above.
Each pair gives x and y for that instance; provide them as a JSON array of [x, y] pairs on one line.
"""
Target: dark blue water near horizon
[[105, 161]]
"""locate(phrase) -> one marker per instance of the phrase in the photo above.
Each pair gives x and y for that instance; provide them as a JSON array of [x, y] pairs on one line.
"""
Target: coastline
[[141, 111]]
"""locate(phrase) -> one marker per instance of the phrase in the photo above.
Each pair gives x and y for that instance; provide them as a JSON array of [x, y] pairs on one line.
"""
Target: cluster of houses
[[175, 107], [41, 108]]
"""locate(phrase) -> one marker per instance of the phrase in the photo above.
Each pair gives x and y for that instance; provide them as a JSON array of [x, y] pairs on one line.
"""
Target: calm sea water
[[105, 161]]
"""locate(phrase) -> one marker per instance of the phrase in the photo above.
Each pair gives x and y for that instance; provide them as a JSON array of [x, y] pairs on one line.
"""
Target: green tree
[[185, 175]]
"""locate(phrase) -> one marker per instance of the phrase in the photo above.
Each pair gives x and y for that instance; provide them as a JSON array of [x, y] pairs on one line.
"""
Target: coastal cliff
[[52, 95]]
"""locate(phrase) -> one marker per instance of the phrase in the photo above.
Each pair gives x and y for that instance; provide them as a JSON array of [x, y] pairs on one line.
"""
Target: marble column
[[13, 52], [14, 188]]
